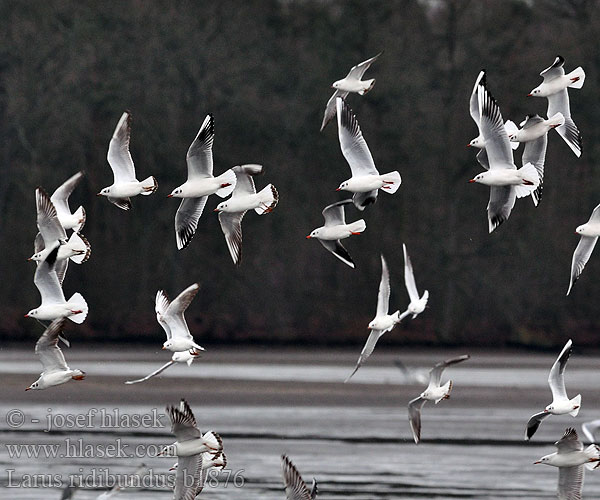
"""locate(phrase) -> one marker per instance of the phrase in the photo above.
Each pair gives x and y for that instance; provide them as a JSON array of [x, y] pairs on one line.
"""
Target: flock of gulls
[[197, 452]]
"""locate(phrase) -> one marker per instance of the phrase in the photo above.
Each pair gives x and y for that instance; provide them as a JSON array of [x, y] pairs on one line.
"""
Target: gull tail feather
[[80, 214], [227, 177], [77, 302], [594, 451], [447, 390], [269, 198], [371, 83], [577, 77], [358, 227], [576, 402], [150, 185], [78, 242], [511, 128], [392, 182]]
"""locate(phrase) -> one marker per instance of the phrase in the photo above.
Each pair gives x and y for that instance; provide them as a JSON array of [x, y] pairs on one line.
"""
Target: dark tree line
[[264, 69]]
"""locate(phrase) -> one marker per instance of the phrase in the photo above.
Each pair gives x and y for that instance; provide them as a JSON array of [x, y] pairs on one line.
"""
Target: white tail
[[268, 199], [78, 242], [150, 185], [357, 227], [529, 173], [213, 441], [371, 82], [447, 387], [556, 120], [576, 402], [228, 177], [392, 181], [593, 451], [78, 303], [80, 214], [577, 77], [511, 129]]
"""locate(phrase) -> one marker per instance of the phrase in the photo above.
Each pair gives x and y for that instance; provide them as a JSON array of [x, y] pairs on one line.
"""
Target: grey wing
[[554, 70], [231, 225], [119, 157], [161, 306], [367, 350], [61, 270], [582, 254], [337, 249], [383, 296], [534, 152], [595, 217], [361, 200], [414, 417], [474, 101], [409, 277], [47, 218], [38, 243], [243, 175], [183, 422], [295, 487], [570, 482], [153, 374], [559, 102], [359, 70], [47, 348], [534, 422], [569, 442], [556, 378], [435, 375], [482, 158], [175, 312], [199, 156], [46, 280], [186, 219], [188, 479], [60, 197], [353, 145], [502, 201], [334, 213], [493, 131], [589, 428], [122, 203], [330, 108]]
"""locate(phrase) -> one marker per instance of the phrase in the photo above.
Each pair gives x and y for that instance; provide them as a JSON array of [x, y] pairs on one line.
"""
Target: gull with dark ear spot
[[434, 392], [60, 200], [382, 322], [589, 236], [295, 487], [244, 198], [351, 83], [561, 404], [200, 184], [125, 184], [336, 229], [366, 179], [56, 371], [554, 87]]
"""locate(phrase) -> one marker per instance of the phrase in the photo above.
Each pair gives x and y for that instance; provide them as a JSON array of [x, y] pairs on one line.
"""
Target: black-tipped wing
[[330, 108], [435, 375], [556, 378], [231, 225], [186, 219], [534, 422], [554, 70], [502, 201], [362, 200], [47, 219], [569, 442], [122, 203], [47, 349], [183, 422], [295, 487], [337, 249], [581, 255], [199, 156], [534, 152], [559, 103], [119, 157], [493, 130], [334, 213], [60, 197], [414, 417]]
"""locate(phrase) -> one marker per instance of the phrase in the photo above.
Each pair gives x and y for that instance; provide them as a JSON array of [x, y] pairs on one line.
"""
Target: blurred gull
[[417, 304], [589, 428], [434, 392], [351, 83], [178, 357], [561, 404], [589, 236], [336, 229], [295, 487], [200, 184], [554, 87], [125, 183]]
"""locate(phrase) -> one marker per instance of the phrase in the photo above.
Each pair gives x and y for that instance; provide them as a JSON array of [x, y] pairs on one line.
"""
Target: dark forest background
[[68, 69]]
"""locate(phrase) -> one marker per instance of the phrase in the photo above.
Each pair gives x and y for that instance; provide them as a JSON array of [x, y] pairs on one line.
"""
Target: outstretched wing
[[119, 157], [154, 373], [556, 378], [199, 156], [47, 349], [414, 417], [295, 487], [435, 375]]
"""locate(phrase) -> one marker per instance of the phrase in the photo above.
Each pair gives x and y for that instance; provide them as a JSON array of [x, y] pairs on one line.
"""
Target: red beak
[[529, 95], [98, 194], [308, 237], [338, 189], [468, 145], [169, 196], [471, 181], [28, 389], [27, 315]]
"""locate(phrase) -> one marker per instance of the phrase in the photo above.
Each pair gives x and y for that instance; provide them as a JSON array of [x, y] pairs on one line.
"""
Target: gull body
[[336, 229], [125, 184], [479, 141], [56, 371], [244, 198], [351, 83], [534, 126], [589, 233], [170, 315], [561, 404], [382, 322], [60, 200], [200, 183], [435, 391], [507, 177], [366, 179]]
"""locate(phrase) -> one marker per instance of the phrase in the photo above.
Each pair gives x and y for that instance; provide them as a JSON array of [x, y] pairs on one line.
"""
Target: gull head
[[478, 178], [168, 344], [549, 408], [544, 460], [36, 256], [33, 387], [314, 234], [476, 143], [535, 92], [581, 229], [221, 207], [176, 193], [337, 84], [104, 192], [32, 314], [342, 186]]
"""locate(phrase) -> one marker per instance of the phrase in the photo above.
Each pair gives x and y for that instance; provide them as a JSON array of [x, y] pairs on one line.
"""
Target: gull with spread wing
[[351, 83], [125, 184], [295, 487], [417, 304], [434, 392], [383, 322], [589, 236], [366, 180], [200, 184], [554, 88], [60, 200], [570, 458], [244, 198], [170, 315], [56, 371], [561, 404], [506, 182], [336, 229]]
